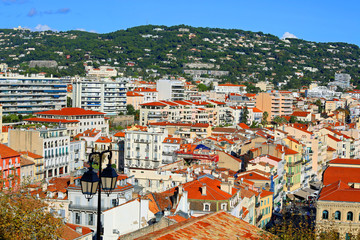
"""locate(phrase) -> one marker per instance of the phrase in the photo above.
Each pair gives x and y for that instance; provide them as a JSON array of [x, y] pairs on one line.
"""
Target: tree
[[244, 116], [68, 102], [279, 120], [264, 121], [130, 110], [202, 87], [293, 119], [24, 216]]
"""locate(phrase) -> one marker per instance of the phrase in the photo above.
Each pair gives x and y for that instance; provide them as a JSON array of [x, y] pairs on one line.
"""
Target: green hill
[[248, 56]]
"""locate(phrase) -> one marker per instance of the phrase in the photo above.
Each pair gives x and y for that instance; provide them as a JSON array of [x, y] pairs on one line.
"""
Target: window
[[207, 207], [349, 216], [224, 206], [114, 202], [77, 218], [337, 215], [325, 214], [91, 219]]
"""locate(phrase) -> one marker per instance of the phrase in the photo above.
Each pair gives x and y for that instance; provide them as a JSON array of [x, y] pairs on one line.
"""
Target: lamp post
[[91, 182]]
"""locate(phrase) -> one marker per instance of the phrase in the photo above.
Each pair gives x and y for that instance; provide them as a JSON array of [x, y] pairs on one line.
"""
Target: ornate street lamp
[[106, 180]]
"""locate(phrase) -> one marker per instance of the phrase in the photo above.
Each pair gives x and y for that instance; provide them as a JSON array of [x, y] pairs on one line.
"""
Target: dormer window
[[206, 207]]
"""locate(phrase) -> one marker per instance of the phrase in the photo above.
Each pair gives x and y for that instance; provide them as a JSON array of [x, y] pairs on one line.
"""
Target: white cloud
[[41, 28], [288, 35], [81, 29]]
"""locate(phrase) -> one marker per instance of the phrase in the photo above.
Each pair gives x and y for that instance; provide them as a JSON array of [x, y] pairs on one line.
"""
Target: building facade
[[106, 96], [26, 95]]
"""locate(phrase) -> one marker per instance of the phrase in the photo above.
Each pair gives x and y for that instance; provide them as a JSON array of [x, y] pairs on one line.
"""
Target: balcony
[[293, 164], [289, 184]]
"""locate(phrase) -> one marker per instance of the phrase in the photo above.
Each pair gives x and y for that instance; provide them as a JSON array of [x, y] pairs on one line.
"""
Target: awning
[[315, 185], [290, 196], [310, 191], [301, 194]]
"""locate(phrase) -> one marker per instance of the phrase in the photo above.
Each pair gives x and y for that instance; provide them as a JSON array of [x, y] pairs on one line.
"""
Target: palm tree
[[264, 121]]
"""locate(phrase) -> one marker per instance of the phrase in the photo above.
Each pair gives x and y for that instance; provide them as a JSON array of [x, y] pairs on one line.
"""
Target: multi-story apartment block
[[77, 155], [84, 212], [212, 112], [143, 149], [150, 94], [135, 99], [76, 120], [26, 95], [171, 90], [106, 95], [9, 167], [170, 145], [255, 114], [38, 160], [52, 143], [275, 103], [230, 88]]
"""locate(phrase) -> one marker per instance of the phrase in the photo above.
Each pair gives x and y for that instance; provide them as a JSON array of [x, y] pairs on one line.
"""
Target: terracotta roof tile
[[70, 112], [218, 225]]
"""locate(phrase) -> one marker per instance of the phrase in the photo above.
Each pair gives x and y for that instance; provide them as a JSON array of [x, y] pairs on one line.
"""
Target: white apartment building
[[211, 112], [84, 212], [26, 95], [230, 88], [143, 149], [102, 71], [80, 120], [106, 95], [255, 114], [170, 89], [170, 145], [77, 155], [150, 94], [51, 143]]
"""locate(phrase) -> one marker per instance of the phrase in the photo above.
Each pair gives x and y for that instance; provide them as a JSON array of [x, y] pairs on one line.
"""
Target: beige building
[[51, 143], [275, 103], [135, 99], [38, 167], [265, 86], [27, 171]]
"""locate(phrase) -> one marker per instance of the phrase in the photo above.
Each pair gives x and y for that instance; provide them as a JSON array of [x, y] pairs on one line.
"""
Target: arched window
[[325, 214], [337, 215], [206, 207], [349, 216]]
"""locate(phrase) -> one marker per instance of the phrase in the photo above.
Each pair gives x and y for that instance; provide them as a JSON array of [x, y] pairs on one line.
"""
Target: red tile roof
[[251, 175], [119, 134], [256, 110], [68, 231], [265, 193], [25, 162], [218, 225], [300, 114], [32, 155], [144, 89], [6, 152], [50, 120], [103, 140], [333, 138], [345, 174], [70, 112], [177, 218], [339, 191], [231, 85], [243, 126], [345, 161], [153, 104], [133, 94], [213, 191]]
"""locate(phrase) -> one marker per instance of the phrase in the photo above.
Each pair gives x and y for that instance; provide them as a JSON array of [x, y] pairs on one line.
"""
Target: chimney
[[203, 190], [180, 187], [78, 230]]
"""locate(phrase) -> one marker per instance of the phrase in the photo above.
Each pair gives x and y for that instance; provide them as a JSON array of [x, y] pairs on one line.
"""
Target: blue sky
[[313, 20]]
